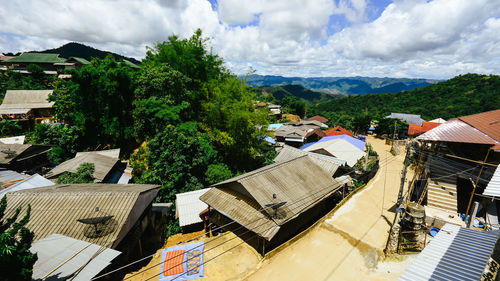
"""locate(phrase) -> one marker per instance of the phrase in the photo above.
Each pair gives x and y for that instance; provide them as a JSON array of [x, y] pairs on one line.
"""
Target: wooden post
[[475, 206], [366, 157], [477, 181]]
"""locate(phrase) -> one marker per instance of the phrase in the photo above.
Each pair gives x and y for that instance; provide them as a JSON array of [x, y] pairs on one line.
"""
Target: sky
[[436, 39]]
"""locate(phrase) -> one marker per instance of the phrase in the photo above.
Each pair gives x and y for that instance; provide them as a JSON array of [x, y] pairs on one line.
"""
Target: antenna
[[98, 226], [275, 206]]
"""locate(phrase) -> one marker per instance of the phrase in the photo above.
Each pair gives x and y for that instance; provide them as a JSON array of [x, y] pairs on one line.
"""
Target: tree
[[177, 158], [217, 172], [98, 99], [386, 126], [66, 140], [16, 261], [9, 128], [84, 174], [361, 123]]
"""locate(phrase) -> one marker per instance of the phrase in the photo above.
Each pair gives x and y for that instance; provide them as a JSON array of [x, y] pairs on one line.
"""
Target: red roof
[[486, 122], [318, 118], [414, 129], [335, 131]]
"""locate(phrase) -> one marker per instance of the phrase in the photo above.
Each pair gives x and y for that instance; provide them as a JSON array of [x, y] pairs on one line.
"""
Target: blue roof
[[357, 143], [274, 126]]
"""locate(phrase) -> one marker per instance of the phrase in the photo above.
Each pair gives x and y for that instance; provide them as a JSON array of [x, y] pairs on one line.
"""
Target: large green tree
[[98, 99], [16, 260]]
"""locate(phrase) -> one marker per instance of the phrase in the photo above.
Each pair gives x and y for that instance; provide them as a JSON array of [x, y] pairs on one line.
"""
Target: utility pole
[[394, 135], [366, 156], [403, 178]]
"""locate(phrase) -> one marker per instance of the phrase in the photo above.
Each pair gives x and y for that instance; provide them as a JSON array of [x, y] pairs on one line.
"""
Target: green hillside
[[301, 93], [459, 96]]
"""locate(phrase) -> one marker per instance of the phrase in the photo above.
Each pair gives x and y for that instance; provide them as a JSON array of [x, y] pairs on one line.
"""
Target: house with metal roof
[[455, 253], [23, 157], [339, 148], [46, 61], [188, 207], [24, 105], [354, 141], [318, 118], [11, 181], [408, 118], [273, 202], [64, 258], [101, 214], [328, 163], [106, 164], [338, 130], [461, 158], [415, 130]]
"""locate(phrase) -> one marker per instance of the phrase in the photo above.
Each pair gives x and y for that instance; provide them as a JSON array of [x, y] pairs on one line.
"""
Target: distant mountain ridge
[[74, 49], [343, 85], [279, 92]]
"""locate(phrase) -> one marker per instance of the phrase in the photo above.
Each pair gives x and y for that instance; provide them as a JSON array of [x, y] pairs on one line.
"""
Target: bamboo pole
[[64, 262]]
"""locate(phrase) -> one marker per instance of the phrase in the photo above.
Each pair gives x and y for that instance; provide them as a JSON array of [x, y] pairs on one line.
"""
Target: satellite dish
[[275, 207], [98, 226], [10, 153]]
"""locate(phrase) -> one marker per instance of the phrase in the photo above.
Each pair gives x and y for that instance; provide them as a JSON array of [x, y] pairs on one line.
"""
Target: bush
[[10, 128], [65, 140], [84, 174]]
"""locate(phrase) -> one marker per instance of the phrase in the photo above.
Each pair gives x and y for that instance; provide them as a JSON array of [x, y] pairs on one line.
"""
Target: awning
[[14, 110]]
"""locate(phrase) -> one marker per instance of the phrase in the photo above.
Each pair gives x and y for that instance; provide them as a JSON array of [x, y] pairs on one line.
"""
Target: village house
[[23, 157], [408, 118], [415, 130], [107, 164], [188, 207], [30, 107], [318, 118], [11, 181], [48, 62], [274, 202], [119, 217], [342, 147], [338, 130], [460, 160]]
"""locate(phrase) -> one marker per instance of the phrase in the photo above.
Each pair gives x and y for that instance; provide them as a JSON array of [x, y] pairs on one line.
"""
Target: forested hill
[[459, 96], [83, 51], [280, 92], [343, 85]]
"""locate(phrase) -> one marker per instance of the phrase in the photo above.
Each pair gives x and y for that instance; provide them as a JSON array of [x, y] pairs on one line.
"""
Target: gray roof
[[288, 131], [56, 209], [26, 99], [298, 182], [409, 118], [454, 254], [493, 187], [188, 206], [13, 140], [103, 165], [113, 153], [327, 163], [12, 181], [58, 249], [18, 152]]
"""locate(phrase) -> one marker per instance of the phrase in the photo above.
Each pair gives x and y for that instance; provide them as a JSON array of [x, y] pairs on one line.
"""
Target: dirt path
[[349, 244]]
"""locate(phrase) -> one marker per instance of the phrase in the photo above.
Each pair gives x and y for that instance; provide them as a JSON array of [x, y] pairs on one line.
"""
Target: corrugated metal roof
[[486, 122], [438, 120], [352, 140], [9, 178], [327, 163], [103, 165], [493, 187], [24, 182], [454, 254], [37, 58], [242, 209], [456, 131], [113, 153], [16, 99], [9, 152], [339, 148], [189, 206], [409, 118], [297, 180], [55, 209], [13, 140], [58, 249], [338, 130]]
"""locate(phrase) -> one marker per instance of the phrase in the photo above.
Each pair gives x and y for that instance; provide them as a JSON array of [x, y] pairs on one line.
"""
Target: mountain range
[[343, 85]]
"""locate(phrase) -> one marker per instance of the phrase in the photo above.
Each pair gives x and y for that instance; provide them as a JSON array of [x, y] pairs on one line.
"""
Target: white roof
[[189, 206], [29, 182], [58, 249], [339, 148], [493, 187], [12, 140], [438, 120]]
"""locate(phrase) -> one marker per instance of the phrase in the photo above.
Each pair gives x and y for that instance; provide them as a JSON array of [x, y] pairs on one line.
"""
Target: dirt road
[[349, 244]]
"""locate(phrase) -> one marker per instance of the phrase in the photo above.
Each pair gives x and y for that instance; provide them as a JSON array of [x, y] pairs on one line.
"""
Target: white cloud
[[413, 38]]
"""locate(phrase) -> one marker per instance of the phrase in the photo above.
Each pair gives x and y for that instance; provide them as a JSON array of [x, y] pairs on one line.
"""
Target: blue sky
[[401, 38]]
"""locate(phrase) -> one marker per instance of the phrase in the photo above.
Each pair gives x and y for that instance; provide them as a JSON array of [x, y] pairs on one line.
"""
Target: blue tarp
[[191, 266], [274, 126], [357, 143]]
